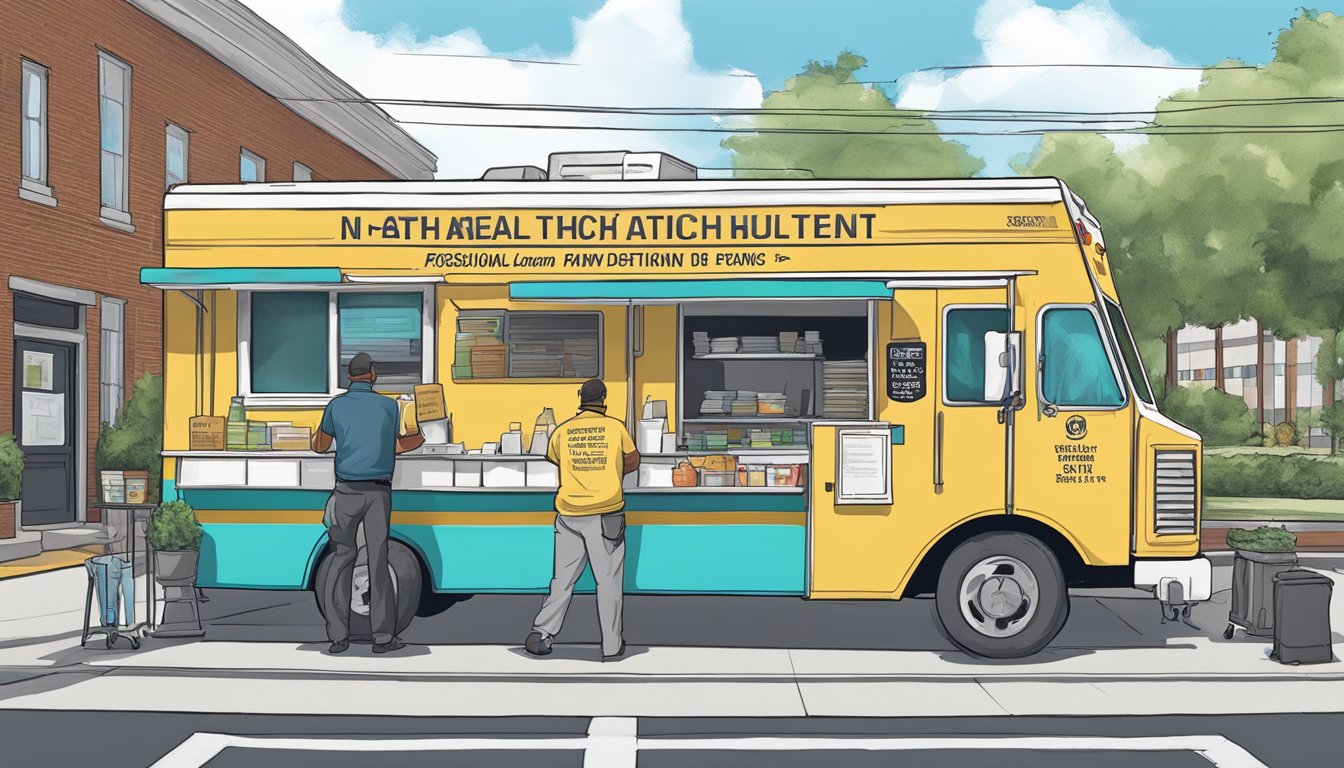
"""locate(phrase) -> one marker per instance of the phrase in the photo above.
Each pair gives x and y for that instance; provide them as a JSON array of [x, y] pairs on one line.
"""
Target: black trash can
[[1302, 618], [1253, 591]]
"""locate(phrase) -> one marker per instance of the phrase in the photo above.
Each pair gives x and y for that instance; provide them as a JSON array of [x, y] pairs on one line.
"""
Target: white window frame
[[113, 216], [428, 371], [246, 154], [183, 135], [111, 382], [302, 172], [35, 188]]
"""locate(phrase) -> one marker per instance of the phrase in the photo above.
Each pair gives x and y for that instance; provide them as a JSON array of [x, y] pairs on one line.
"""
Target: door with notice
[[45, 399]]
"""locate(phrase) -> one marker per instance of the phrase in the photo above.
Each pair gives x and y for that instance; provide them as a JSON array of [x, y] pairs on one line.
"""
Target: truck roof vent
[[618, 165], [515, 173]]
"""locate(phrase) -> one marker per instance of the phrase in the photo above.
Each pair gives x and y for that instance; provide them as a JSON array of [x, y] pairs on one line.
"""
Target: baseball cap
[[360, 364], [592, 391]]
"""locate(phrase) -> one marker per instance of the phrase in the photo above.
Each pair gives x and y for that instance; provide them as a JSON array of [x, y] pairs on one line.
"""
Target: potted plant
[[136, 441], [1261, 554], [175, 534], [11, 485]]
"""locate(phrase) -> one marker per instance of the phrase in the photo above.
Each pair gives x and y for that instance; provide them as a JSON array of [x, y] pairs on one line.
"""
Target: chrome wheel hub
[[999, 596]]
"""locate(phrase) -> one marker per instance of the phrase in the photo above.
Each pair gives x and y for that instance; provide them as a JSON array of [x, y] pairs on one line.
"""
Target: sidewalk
[[42, 667]]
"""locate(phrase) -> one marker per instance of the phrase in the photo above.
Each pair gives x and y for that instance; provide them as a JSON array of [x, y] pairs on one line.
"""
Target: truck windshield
[[1128, 352]]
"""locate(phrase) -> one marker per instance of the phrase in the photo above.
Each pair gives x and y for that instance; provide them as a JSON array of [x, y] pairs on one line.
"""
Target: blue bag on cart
[[114, 583]]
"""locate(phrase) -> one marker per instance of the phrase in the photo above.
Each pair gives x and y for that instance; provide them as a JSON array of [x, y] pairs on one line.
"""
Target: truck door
[[1075, 441]]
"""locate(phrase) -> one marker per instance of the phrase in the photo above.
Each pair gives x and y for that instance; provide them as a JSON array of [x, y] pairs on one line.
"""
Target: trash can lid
[[1302, 576]]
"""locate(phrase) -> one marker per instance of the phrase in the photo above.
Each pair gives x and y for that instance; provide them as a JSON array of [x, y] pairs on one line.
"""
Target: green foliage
[[173, 528], [1283, 476], [1285, 433], [1222, 419], [11, 468], [1211, 228], [894, 143], [1332, 419], [1262, 539], [136, 442]]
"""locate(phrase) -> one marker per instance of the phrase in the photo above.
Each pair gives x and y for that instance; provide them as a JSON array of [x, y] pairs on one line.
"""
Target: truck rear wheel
[[405, 568], [1002, 596]]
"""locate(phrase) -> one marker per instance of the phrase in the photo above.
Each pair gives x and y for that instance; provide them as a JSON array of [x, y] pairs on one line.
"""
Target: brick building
[[103, 104]]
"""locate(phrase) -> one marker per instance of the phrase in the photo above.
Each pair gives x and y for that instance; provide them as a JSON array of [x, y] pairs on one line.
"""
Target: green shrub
[[1332, 419], [1262, 539], [173, 527], [1284, 476], [1222, 419], [136, 442], [1285, 433], [11, 468]]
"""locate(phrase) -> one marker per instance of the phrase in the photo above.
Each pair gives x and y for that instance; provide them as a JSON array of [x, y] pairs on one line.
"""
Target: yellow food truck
[[841, 389]]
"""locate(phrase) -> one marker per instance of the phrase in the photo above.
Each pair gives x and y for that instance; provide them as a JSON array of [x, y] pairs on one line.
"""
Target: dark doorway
[[46, 400]]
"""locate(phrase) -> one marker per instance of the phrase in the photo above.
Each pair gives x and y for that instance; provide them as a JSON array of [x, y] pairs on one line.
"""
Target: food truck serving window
[[298, 343], [527, 345]]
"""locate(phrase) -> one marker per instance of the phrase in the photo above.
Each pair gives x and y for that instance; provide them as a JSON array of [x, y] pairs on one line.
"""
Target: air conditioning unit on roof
[[618, 165]]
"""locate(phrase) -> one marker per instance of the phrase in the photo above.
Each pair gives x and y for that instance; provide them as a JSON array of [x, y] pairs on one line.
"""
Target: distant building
[[1277, 380], [103, 105]]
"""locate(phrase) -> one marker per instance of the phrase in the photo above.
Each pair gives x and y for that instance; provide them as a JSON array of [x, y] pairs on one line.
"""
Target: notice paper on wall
[[37, 370], [863, 466], [43, 419]]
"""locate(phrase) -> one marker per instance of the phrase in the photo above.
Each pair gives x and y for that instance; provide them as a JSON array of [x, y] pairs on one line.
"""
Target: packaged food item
[[207, 433], [713, 478], [685, 476], [236, 426], [756, 476], [511, 442], [541, 432], [718, 462]]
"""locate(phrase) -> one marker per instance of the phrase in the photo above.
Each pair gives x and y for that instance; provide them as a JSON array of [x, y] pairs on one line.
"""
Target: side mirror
[[1003, 366]]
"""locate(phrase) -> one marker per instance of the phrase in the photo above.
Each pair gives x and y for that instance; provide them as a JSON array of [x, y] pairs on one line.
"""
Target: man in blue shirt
[[363, 426]]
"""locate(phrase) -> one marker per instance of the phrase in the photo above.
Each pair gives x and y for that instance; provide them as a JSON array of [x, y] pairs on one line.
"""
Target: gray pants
[[580, 540], [352, 503]]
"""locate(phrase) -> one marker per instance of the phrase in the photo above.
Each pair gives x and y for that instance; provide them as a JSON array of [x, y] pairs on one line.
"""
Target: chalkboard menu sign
[[907, 371]]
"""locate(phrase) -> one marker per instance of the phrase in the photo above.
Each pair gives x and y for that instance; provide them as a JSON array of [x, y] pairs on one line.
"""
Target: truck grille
[[1174, 493]]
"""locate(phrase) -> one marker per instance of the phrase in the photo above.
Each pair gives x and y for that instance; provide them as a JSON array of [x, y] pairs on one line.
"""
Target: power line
[[1084, 66], [1190, 130]]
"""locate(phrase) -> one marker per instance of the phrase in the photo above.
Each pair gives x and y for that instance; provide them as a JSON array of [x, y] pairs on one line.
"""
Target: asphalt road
[[113, 739]]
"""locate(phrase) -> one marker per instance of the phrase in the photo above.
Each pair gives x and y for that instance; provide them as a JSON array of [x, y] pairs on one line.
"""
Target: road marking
[[613, 742]]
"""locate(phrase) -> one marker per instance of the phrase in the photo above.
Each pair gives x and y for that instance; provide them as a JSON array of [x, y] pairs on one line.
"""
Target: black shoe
[[537, 644], [618, 654], [395, 644], [340, 646]]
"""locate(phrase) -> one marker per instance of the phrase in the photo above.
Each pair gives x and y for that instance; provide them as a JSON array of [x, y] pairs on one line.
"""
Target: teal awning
[[676, 290], [233, 277]]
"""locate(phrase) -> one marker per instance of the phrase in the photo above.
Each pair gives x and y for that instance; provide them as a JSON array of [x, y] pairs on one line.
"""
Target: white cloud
[[1022, 32], [628, 53]]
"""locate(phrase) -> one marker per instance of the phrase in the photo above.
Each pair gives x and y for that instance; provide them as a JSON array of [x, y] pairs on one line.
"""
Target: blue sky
[[772, 38], [694, 53]]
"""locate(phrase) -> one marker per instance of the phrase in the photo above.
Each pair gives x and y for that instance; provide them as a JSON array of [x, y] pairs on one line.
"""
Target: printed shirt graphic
[[590, 451]]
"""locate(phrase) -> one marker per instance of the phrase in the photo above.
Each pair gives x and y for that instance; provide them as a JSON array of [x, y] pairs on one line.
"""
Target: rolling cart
[[125, 563]]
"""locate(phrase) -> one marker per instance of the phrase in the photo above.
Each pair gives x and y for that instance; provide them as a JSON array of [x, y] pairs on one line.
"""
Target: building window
[[528, 345], [1248, 371], [176, 151], [114, 116], [302, 172], [300, 342], [1278, 369], [1232, 372], [1075, 370], [112, 360], [34, 137], [251, 167], [1210, 374], [964, 330], [1183, 375]]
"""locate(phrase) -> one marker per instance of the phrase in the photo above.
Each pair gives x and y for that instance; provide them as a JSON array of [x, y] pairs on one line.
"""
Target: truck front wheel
[[405, 568], [1002, 596]]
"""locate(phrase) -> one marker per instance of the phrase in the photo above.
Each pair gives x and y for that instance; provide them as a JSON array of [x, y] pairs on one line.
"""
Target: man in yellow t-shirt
[[594, 453]]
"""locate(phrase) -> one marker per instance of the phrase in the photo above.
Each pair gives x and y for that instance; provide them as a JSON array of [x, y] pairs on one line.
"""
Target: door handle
[[1050, 410], [830, 487], [938, 453]]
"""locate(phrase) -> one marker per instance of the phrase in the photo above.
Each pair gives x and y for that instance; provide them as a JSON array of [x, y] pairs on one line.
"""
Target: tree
[[827, 97], [1201, 218]]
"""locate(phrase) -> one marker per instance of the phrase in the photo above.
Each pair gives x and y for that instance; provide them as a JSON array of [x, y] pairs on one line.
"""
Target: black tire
[[1010, 625], [406, 581]]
